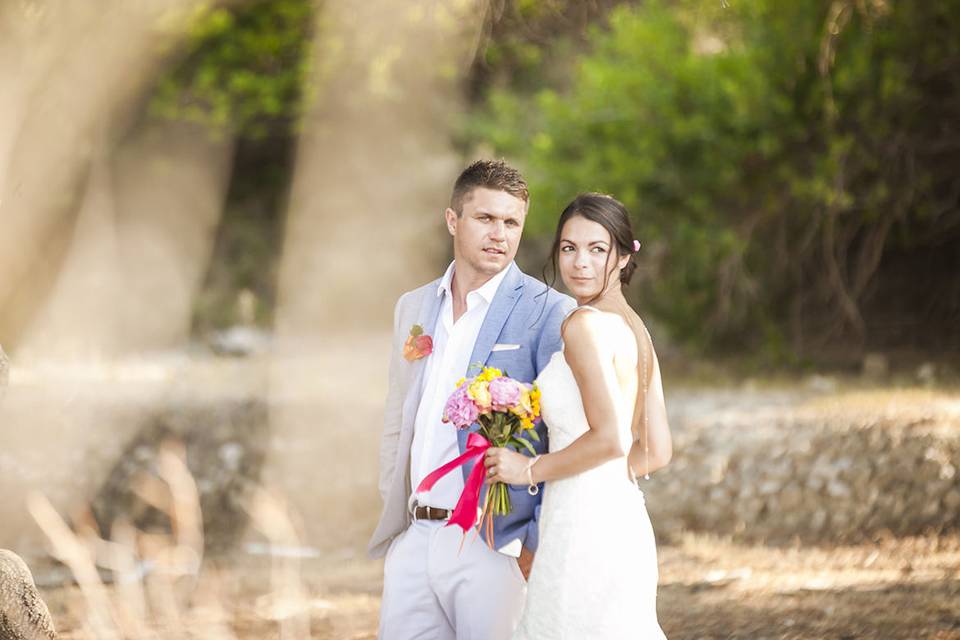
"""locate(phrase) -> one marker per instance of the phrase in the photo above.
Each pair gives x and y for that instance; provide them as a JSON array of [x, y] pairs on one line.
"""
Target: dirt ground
[[709, 588]]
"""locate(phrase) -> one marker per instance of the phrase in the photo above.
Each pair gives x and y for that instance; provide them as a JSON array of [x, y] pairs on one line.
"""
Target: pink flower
[[460, 409], [504, 393]]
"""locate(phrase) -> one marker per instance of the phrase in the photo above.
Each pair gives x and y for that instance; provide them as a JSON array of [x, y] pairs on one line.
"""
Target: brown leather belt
[[430, 513]]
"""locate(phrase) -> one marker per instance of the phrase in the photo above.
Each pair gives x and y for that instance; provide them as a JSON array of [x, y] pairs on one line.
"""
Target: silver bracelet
[[532, 488]]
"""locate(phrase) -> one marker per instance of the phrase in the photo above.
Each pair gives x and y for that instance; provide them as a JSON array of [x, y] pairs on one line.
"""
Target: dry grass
[[159, 585], [710, 588], [908, 588]]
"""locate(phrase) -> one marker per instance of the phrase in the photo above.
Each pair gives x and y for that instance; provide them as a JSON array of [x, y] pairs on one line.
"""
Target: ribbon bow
[[465, 513]]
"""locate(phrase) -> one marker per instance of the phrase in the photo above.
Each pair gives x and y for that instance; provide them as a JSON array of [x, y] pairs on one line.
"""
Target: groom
[[438, 584]]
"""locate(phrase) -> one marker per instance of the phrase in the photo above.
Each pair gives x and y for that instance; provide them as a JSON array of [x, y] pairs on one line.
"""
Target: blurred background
[[208, 210]]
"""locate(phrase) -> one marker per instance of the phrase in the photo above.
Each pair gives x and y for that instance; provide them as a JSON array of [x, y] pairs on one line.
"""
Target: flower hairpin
[[636, 246]]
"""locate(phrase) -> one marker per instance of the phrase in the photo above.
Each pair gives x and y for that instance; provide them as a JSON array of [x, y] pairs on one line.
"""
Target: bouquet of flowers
[[507, 411]]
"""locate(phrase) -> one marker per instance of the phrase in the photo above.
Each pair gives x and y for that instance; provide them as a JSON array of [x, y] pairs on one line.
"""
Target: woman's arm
[[641, 459], [591, 361]]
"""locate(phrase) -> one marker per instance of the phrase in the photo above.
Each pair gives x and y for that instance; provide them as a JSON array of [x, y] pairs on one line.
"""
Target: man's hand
[[526, 562]]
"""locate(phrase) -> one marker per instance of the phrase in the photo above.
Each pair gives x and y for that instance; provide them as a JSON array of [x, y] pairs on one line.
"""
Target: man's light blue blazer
[[524, 312]]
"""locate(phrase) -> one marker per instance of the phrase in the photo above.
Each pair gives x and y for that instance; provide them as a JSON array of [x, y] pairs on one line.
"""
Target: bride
[[595, 573]]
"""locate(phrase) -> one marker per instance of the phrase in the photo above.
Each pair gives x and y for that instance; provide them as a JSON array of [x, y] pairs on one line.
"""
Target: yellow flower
[[479, 392], [526, 423], [535, 401], [526, 403], [460, 382], [488, 374]]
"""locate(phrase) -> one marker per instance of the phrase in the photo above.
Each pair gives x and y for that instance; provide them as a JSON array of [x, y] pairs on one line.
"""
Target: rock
[[791, 498], [927, 373], [239, 342], [843, 464], [952, 500], [837, 489], [231, 454], [23, 614], [840, 521], [769, 487], [226, 446], [931, 509], [822, 384]]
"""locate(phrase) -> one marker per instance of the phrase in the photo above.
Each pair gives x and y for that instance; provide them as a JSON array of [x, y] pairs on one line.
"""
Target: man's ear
[[451, 217]]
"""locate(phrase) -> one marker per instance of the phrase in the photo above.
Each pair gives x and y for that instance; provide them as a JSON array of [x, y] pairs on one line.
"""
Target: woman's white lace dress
[[595, 572]]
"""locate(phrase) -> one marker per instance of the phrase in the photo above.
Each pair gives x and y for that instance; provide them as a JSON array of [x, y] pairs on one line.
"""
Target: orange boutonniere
[[417, 345]]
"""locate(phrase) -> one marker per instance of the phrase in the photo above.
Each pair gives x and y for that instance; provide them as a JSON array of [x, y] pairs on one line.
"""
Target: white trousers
[[434, 590]]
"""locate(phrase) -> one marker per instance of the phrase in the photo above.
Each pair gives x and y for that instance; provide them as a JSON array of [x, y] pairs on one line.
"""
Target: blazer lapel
[[503, 303], [429, 312]]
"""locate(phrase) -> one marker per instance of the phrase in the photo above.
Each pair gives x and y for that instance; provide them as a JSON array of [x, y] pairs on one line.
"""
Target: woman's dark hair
[[609, 213]]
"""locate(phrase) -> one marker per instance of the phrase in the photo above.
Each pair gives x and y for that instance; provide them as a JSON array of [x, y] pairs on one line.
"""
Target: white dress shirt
[[435, 442]]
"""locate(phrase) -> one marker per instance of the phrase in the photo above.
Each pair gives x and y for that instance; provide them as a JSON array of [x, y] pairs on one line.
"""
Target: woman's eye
[[599, 250], [566, 249]]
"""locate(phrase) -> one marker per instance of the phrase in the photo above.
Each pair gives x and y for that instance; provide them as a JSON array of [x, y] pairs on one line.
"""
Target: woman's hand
[[504, 465]]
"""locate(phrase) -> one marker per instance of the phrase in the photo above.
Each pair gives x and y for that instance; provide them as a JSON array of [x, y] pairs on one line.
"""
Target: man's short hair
[[490, 174]]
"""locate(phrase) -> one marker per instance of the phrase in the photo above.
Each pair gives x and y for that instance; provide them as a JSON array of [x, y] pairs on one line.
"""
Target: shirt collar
[[487, 291]]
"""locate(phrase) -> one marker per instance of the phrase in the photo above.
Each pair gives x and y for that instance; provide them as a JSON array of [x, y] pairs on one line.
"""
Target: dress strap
[[583, 306], [563, 324]]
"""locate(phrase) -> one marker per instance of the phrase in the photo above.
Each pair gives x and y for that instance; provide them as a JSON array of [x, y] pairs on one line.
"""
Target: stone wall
[[775, 466], [814, 475]]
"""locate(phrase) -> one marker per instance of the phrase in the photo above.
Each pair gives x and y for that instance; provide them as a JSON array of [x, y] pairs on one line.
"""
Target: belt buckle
[[414, 511]]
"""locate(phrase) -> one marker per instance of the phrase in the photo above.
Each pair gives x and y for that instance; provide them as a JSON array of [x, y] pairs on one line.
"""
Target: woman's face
[[586, 255]]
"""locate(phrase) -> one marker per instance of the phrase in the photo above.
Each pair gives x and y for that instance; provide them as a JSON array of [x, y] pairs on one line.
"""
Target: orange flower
[[417, 345]]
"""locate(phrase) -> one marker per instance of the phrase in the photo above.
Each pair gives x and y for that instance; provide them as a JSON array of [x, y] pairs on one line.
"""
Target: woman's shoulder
[[586, 325], [587, 317], [603, 329]]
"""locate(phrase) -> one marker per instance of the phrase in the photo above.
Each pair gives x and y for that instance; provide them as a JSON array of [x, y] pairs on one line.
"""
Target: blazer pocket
[[505, 347]]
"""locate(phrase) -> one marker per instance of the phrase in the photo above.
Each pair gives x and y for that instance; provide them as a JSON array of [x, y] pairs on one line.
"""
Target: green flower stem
[[502, 431]]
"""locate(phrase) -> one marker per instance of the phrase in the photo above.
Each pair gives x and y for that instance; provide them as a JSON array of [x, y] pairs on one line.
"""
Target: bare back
[[635, 362]]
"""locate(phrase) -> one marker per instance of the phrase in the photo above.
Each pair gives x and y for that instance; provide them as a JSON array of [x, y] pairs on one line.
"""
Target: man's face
[[486, 234]]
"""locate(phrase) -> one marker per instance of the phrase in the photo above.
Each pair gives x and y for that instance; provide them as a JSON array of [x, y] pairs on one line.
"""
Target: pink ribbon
[[465, 513]]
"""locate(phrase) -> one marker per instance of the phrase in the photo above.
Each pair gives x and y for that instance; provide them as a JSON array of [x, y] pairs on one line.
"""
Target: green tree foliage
[[243, 70], [771, 152], [522, 38]]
